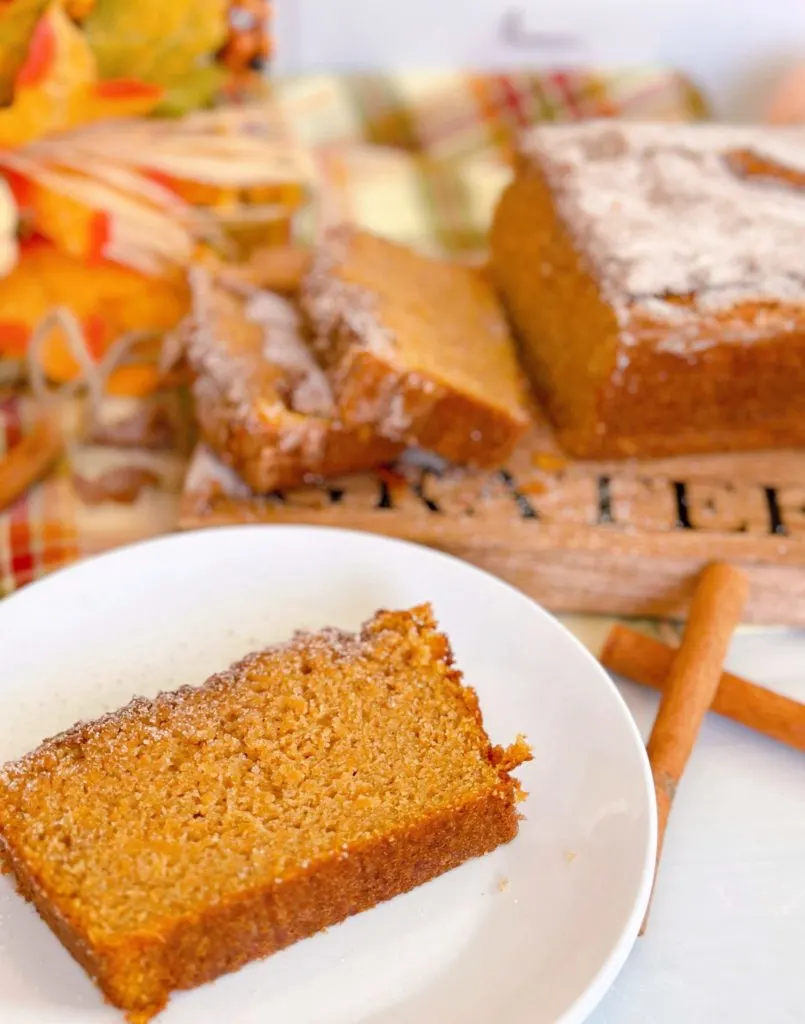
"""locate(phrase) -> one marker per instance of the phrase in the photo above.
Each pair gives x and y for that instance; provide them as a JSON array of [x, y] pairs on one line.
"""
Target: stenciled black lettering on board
[[524, 506], [605, 501], [776, 524], [384, 498], [682, 512], [419, 491]]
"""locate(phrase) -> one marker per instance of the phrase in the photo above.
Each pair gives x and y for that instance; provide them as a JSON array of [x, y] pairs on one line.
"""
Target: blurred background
[[136, 139], [736, 52]]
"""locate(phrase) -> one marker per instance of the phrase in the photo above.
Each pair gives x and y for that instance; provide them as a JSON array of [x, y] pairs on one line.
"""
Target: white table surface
[[726, 937]]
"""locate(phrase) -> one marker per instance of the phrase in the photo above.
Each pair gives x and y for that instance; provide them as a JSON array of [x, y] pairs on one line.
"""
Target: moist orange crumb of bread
[[183, 836], [417, 348], [262, 403], [652, 274]]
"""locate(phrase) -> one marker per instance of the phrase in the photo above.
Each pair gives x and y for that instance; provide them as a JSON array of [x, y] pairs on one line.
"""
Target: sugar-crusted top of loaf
[[293, 755], [682, 219]]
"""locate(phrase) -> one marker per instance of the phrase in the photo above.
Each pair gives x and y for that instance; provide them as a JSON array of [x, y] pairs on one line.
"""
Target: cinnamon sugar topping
[[262, 401], [417, 349], [333, 303], [285, 347], [712, 215], [254, 343]]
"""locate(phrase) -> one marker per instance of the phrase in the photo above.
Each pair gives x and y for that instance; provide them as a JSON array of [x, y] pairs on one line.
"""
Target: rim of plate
[[600, 983]]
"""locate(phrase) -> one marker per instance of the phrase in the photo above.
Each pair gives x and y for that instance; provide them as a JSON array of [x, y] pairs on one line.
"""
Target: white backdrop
[[734, 48]]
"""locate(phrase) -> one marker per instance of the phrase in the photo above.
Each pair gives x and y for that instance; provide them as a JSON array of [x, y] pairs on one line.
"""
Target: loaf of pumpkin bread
[[653, 274]]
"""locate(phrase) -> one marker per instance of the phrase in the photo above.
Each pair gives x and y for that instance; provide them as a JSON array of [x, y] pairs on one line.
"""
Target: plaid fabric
[[454, 115], [434, 205], [38, 534], [420, 158]]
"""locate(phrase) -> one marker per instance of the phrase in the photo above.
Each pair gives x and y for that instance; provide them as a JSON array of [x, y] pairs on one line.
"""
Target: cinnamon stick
[[29, 460], [715, 611], [647, 661]]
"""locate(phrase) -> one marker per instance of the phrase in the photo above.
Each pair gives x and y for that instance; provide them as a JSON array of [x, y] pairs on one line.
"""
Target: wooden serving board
[[624, 538]]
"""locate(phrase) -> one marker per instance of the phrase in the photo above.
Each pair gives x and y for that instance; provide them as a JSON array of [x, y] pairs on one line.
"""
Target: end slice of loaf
[[262, 402], [184, 836], [416, 347]]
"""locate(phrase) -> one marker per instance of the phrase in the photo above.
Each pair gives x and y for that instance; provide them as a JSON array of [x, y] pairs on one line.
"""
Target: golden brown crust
[[657, 376], [140, 973], [95, 960], [287, 452], [418, 349], [443, 420], [541, 277], [227, 937]]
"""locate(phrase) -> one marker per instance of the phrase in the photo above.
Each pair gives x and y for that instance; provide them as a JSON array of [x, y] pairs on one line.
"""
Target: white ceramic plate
[[531, 934]]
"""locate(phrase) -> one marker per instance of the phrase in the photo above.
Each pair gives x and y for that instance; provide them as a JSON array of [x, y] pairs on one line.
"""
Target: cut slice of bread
[[184, 836], [262, 402], [416, 348]]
